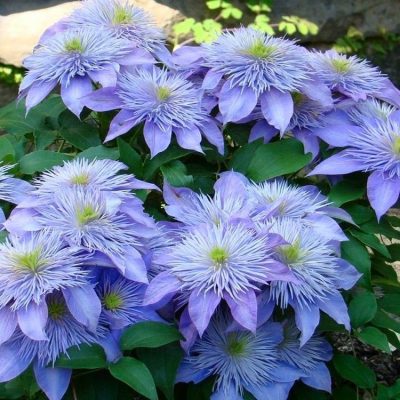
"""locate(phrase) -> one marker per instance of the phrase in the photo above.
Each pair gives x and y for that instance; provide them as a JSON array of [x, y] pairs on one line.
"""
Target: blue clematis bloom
[[166, 102]]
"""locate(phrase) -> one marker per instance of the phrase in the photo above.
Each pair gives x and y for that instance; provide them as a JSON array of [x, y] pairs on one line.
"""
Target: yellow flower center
[[260, 50], [396, 146], [74, 46], [82, 179], [86, 214], [121, 16], [31, 260], [219, 256], [236, 346], [163, 93], [298, 98], [56, 310], [341, 65], [112, 301], [290, 252]]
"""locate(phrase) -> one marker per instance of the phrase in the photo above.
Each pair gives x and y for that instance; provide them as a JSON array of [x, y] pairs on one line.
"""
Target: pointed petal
[[389, 93], [262, 129], [225, 393], [137, 56], [160, 287], [231, 184], [307, 319], [186, 373], [104, 99], [211, 79], [189, 138], [236, 103], [121, 124], [11, 362], [320, 378], [84, 305], [244, 309], [131, 264], [326, 227], [270, 391], [383, 192], [139, 184], [157, 139], [338, 164], [32, 320], [186, 55], [72, 94], [107, 77], [201, 308], [8, 324], [188, 330], [310, 142], [277, 108], [319, 92], [348, 275], [53, 381], [111, 348], [37, 92], [265, 308], [336, 308], [21, 190], [213, 134]]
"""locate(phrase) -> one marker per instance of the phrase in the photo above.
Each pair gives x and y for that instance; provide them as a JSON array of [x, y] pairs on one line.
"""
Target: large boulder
[[22, 22]]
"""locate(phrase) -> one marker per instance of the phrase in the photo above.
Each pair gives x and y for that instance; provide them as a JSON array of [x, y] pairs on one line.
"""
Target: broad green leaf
[[41, 160], [130, 157], [149, 334], [153, 165], [44, 138], [276, 159], [96, 385], [394, 250], [356, 254], [383, 320], [360, 214], [163, 363], [346, 191], [100, 153], [371, 241], [6, 147], [135, 374], [390, 303], [362, 309], [374, 337], [78, 133], [83, 357], [242, 157], [354, 370], [175, 173]]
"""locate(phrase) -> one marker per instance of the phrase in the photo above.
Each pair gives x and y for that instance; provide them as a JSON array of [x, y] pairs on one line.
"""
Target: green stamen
[[236, 347], [260, 50], [82, 179], [396, 146], [219, 256], [340, 65], [163, 93], [86, 214], [31, 260], [298, 98], [290, 252], [121, 16], [74, 46], [112, 301], [56, 310]]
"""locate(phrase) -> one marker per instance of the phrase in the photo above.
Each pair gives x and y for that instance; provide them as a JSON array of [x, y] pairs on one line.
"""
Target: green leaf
[[129, 156], [78, 133], [383, 320], [356, 254], [184, 27], [136, 375], [41, 160], [153, 165], [362, 309], [100, 153], [394, 250], [6, 148], [354, 370], [163, 364], [149, 334], [360, 214], [390, 303], [346, 191], [44, 138], [374, 337], [175, 172], [242, 157], [83, 357], [371, 241], [213, 4], [276, 159]]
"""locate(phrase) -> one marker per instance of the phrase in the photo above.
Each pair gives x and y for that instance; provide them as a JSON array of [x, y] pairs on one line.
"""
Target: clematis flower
[[121, 20], [62, 331], [256, 68], [319, 273], [240, 361], [100, 175], [375, 149], [212, 263], [165, 102], [369, 110], [12, 189], [75, 59], [122, 301], [353, 77], [309, 359]]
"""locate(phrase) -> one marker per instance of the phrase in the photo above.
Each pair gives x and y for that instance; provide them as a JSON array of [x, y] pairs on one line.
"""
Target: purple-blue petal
[[201, 308]]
